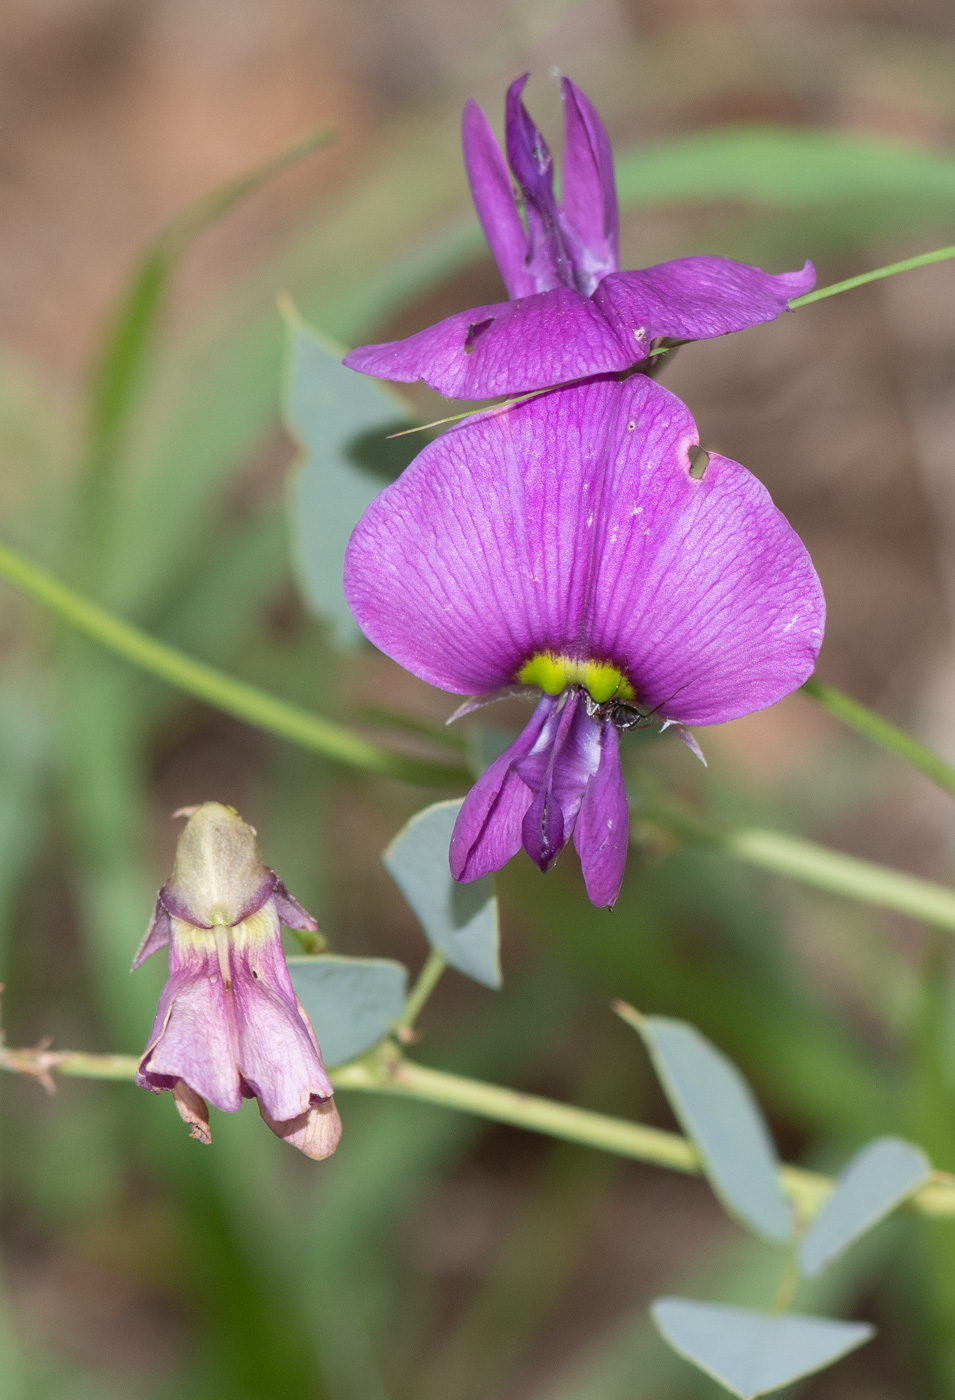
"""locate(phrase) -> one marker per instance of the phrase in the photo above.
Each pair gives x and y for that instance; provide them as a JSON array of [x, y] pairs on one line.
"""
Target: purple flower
[[229, 1025], [563, 547], [572, 313]]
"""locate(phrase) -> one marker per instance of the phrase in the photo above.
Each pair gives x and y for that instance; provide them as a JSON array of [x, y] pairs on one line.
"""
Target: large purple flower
[[572, 313], [564, 547], [229, 1025]]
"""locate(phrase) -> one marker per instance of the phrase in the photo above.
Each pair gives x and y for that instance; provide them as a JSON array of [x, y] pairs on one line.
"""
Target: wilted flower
[[565, 548], [229, 1025], [571, 313]]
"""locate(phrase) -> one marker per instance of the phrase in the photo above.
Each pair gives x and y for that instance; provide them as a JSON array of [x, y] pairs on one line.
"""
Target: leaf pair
[[753, 1353], [354, 1002]]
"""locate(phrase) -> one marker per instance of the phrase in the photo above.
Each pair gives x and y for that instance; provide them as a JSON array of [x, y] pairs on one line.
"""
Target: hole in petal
[[699, 461], [475, 331]]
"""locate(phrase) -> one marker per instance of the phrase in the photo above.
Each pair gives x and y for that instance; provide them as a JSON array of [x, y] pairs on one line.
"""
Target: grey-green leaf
[[752, 1353], [461, 921], [351, 1002], [879, 1178], [342, 420], [718, 1112]]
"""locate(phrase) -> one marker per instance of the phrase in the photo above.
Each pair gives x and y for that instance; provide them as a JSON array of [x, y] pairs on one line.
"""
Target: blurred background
[[435, 1257]]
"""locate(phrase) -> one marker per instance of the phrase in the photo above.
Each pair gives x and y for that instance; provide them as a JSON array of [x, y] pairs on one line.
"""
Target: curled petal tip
[[316, 1132], [193, 1112]]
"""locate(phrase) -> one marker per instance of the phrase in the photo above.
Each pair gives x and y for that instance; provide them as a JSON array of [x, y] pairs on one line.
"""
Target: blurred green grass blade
[[120, 371], [102, 743], [215, 687], [880, 731], [26, 733], [820, 866], [118, 374], [15, 1370], [790, 167]]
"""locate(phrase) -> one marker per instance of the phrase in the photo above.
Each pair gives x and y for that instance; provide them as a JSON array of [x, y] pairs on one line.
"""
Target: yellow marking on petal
[[553, 673], [258, 929], [254, 932], [190, 939]]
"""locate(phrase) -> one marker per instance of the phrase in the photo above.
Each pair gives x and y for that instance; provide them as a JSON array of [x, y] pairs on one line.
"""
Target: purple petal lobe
[[530, 343], [589, 194], [602, 829], [277, 1052], [493, 197], [156, 936], [696, 298], [290, 912], [547, 260], [193, 1035], [487, 832], [557, 770], [571, 524]]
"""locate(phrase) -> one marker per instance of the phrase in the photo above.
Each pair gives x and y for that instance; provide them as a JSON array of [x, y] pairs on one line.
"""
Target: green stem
[[906, 265], [814, 865], [428, 979], [234, 697], [386, 1071], [788, 1285], [872, 726]]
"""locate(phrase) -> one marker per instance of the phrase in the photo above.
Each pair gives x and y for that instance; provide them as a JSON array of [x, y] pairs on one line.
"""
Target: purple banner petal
[[572, 524]]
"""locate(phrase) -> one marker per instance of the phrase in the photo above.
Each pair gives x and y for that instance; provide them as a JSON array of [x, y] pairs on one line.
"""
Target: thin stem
[[386, 1071], [906, 265], [815, 865], [428, 979], [788, 1285], [234, 697], [872, 726]]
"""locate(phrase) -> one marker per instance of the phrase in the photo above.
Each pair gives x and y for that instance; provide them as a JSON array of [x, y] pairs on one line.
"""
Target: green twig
[[872, 726], [217, 688], [906, 265], [428, 979], [386, 1071], [812, 864]]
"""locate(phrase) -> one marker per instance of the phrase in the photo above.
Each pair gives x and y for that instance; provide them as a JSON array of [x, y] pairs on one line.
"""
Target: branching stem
[[385, 1070]]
